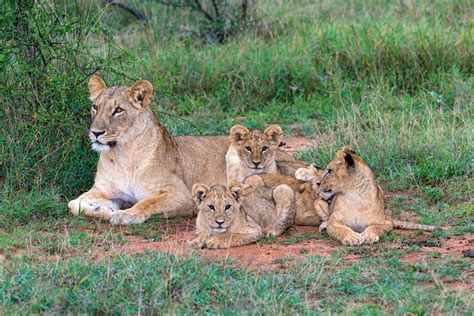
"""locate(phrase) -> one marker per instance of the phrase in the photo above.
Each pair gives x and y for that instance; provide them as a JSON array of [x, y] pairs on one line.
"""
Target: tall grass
[[401, 70]]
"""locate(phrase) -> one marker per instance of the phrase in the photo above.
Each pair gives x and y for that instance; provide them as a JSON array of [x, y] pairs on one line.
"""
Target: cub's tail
[[408, 225]]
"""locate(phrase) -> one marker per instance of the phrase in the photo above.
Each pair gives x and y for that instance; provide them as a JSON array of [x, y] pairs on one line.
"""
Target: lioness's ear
[[199, 192], [140, 94], [274, 134], [239, 133], [96, 86], [236, 191]]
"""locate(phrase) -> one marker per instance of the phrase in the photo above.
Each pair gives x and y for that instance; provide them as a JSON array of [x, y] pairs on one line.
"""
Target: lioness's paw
[[370, 238], [353, 239], [126, 218]]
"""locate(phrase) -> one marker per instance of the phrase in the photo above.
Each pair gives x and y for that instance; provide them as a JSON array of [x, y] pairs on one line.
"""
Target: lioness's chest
[[120, 179]]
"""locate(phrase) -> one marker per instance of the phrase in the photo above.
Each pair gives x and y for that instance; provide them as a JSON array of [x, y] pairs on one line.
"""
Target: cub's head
[[256, 149], [311, 174], [115, 111], [339, 174], [217, 204]]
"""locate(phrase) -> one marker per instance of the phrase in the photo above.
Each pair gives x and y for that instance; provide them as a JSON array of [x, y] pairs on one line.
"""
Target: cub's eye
[[212, 208], [264, 149], [249, 149], [227, 207], [95, 107], [117, 111], [328, 172]]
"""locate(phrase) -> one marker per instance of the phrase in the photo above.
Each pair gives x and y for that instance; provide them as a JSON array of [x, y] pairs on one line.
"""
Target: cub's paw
[[369, 237], [323, 226], [198, 243], [127, 218], [353, 239], [217, 243]]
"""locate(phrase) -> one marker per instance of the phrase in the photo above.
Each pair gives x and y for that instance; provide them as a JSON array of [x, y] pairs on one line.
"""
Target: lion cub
[[357, 207], [254, 152], [241, 214], [311, 209]]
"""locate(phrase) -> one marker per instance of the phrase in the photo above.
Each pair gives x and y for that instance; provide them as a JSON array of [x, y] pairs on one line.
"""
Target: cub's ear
[[348, 149], [349, 159], [347, 153], [199, 192], [239, 133], [96, 86], [140, 94], [274, 134], [236, 190]]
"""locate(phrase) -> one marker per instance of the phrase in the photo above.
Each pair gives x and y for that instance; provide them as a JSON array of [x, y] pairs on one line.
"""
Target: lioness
[[254, 152], [140, 163], [357, 208], [241, 214], [311, 209]]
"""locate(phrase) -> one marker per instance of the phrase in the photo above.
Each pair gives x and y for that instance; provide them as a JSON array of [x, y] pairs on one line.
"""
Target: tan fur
[[240, 214], [357, 208], [257, 152], [140, 163], [311, 210]]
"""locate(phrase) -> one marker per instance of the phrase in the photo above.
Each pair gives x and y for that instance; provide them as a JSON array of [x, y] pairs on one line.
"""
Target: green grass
[[143, 283], [394, 79]]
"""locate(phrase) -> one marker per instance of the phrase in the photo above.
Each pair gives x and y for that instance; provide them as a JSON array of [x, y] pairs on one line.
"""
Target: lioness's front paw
[[370, 237], [127, 218], [353, 239]]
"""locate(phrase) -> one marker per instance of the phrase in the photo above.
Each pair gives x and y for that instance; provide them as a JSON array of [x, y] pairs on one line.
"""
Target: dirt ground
[[296, 244]]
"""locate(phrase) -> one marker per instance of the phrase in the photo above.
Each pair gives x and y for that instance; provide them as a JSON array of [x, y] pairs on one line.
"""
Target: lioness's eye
[[95, 107], [264, 149], [249, 149], [329, 171], [212, 208], [117, 111], [227, 207]]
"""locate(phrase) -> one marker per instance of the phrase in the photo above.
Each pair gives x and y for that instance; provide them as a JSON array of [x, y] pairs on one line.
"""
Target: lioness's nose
[[97, 133], [220, 221]]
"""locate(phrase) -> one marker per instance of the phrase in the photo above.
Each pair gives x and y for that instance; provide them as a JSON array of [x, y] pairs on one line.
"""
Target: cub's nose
[[220, 221], [97, 133], [256, 163]]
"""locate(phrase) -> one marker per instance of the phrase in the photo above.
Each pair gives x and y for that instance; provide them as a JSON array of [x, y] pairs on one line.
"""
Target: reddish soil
[[293, 144], [298, 243]]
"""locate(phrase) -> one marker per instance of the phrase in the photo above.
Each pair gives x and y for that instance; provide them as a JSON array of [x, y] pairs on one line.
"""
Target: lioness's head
[[115, 110], [218, 204], [256, 149], [339, 173]]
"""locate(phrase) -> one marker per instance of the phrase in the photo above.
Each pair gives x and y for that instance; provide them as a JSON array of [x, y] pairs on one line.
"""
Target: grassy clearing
[[394, 79]]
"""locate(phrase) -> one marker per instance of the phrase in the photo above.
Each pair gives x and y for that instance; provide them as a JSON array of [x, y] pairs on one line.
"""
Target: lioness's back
[[203, 158]]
